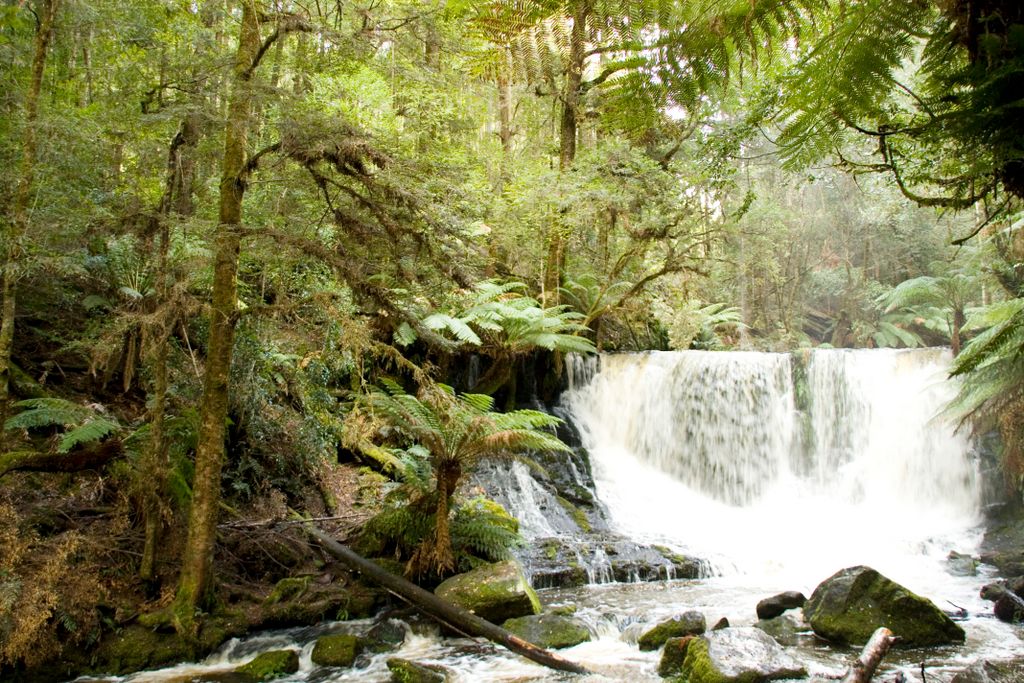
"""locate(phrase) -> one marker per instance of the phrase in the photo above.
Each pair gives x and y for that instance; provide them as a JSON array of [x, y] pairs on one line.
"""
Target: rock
[[385, 635], [785, 629], [339, 649], [737, 655], [271, 665], [549, 631], [720, 624], [1007, 608], [690, 623], [495, 592], [406, 671], [960, 564], [769, 608], [673, 655], [848, 606], [992, 672]]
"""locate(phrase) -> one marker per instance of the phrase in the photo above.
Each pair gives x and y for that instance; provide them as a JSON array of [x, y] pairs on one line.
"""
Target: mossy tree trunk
[[177, 200], [46, 12], [196, 564]]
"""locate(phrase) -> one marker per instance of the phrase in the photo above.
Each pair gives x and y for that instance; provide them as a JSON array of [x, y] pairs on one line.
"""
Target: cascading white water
[[709, 452]]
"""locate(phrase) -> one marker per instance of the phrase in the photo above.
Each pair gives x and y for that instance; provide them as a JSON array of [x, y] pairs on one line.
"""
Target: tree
[[16, 230], [457, 432]]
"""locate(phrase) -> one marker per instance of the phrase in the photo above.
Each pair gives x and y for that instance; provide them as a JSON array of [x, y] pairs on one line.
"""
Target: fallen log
[[88, 458], [444, 612], [863, 668]]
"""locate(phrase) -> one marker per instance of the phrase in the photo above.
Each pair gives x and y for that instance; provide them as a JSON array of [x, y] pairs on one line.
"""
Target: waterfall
[[765, 462]]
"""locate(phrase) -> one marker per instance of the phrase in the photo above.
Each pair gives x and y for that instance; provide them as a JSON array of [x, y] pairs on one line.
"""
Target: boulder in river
[[271, 665], [495, 592], [769, 608], [848, 606], [737, 655], [339, 649], [673, 655], [992, 672], [690, 623], [549, 631], [407, 671], [786, 629]]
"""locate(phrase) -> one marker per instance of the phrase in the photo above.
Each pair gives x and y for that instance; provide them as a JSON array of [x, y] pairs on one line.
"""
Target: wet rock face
[[602, 558], [737, 655], [787, 629], [992, 672], [495, 592], [690, 623], [769, 608], [848, 607], [549, 631]]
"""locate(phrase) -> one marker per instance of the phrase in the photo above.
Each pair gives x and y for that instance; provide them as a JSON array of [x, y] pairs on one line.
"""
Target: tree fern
[[82, 423]]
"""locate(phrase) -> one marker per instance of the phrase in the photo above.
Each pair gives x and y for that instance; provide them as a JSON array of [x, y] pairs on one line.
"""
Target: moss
[[551, 547], [339, 649], [578, 516], [134, 648], [673, 656], [271, 665], [697, 665], [549, 631], [289, 588], [405, 671]]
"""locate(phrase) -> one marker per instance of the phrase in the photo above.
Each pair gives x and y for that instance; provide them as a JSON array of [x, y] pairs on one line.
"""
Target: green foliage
[[82, 424]]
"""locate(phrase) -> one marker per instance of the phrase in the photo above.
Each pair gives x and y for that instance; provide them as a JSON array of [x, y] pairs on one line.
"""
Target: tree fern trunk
[[46, 12], [196, 568]]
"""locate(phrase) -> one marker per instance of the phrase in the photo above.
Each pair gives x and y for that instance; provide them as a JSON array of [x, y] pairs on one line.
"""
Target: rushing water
[[781, 469]]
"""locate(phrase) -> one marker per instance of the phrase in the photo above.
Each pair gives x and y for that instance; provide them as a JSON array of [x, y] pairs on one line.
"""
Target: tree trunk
[[445, 613], [47, 11], [196, 564], [555, 262], [959, 320], [448, 476], [864, 667]]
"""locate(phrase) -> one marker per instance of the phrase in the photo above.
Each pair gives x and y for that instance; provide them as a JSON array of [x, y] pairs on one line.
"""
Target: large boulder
[[690, 623], [848, 606], [737, 655], [673, 656], [495, 592], [769, 608], [549, 631]]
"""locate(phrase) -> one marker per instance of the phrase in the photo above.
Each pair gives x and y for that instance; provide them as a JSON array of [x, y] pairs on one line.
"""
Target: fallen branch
[[444, 612], [89, 458], [871, 656]]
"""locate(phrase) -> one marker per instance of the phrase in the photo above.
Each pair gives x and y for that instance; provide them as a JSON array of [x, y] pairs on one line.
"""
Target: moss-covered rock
[[848, 607], [690, 623], [291, 587], [495, 592], [339, 649], [549, 631], [673, 655], [271, 665], [737, 655], [406, 671]]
